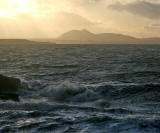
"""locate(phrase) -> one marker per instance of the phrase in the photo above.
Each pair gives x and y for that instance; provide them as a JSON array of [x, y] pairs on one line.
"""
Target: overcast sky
[[50, 18]]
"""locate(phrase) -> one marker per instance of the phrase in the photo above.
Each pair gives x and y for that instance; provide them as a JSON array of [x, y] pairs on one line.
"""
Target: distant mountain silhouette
[[86, 37]]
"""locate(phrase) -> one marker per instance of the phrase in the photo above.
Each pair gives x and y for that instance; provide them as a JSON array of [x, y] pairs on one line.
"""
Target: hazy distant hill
[[86, 37], [20, 41], [155, 40], [15, 41]]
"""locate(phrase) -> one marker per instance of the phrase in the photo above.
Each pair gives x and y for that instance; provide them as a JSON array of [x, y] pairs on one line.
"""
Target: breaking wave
[[74, 92]]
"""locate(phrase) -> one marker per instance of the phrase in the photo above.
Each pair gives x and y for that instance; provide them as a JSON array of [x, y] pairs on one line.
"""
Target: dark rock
[[143, 125], [9, 87], [9, 96], [9, 84]]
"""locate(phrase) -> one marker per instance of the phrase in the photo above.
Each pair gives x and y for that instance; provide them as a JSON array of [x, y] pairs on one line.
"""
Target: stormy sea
[[81, 88]]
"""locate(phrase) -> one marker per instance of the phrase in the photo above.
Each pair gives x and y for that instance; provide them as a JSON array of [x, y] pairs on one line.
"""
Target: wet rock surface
[[9, 87]]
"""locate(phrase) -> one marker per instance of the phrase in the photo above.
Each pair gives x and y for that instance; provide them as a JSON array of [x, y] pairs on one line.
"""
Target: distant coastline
[[85, 37], [21, 41]]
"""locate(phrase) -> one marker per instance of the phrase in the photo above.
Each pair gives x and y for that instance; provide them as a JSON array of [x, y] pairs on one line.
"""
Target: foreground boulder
[[9, 87]]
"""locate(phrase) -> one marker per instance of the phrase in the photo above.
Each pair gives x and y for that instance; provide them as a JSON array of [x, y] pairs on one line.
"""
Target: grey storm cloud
[[143, 8]]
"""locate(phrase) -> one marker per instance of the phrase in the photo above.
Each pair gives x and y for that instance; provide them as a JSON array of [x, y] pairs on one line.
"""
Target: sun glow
[[10, 8], [23, 5]]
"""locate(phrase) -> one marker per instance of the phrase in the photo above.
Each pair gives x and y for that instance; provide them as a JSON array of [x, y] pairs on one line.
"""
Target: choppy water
[[82, 89]]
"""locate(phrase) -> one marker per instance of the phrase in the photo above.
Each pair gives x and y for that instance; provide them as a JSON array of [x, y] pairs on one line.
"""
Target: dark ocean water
[[82, 89]]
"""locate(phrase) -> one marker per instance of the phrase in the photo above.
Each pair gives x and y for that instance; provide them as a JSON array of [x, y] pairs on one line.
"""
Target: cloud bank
[[51, 18], [146, 9]]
